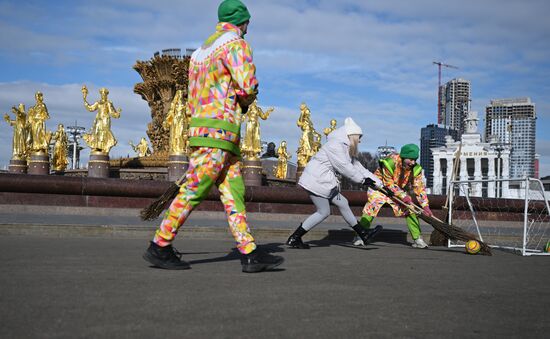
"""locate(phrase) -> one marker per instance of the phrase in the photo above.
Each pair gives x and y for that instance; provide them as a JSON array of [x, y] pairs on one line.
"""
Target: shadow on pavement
[[236, 255], [344, 238]]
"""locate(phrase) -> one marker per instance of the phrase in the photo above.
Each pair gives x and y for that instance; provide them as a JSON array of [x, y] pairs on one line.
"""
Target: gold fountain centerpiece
[[163, 76]]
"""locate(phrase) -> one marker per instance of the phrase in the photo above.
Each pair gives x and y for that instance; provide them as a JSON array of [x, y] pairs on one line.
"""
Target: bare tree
[[368, 161]]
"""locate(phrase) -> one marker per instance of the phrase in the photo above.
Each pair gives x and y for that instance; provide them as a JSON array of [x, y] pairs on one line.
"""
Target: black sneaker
[[366, 236], [296, 242], [373, 232], [258, 261], [165, 257]]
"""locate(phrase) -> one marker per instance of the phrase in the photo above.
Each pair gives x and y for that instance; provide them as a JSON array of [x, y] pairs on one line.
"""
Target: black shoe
[[258, 261], [366, 235], [165, 257], [295, 240], [374, 232]]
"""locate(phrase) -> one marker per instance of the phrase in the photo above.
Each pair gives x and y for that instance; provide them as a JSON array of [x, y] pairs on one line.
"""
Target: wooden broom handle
[[412, 206], [453, 174], [181, 179]]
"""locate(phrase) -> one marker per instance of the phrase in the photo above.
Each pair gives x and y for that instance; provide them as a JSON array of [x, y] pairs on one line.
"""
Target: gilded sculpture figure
[[162, 76], [331, 128], [306, 144], [317, 140], [19, 143], [59, 158], [142, 148], [38, 138], [177, 122], [251, 145], [101, 139], [280, 171]]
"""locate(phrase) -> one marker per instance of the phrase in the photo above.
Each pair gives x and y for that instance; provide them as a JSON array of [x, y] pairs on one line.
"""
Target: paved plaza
[[100, 287]]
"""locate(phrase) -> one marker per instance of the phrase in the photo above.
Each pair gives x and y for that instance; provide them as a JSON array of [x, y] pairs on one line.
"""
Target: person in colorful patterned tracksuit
[[400, 174], [222, 84]]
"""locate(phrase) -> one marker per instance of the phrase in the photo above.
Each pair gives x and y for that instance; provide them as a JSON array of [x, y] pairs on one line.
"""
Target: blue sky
[[371, 60]]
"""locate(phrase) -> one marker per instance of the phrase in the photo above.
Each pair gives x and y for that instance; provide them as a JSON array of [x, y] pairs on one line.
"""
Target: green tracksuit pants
[[412, 224]]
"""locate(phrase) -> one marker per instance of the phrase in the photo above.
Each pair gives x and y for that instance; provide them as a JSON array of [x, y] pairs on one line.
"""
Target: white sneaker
[[419, 243], [358, 241]]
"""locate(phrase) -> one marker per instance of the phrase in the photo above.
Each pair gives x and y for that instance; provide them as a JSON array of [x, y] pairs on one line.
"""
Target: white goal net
[[518, 220]]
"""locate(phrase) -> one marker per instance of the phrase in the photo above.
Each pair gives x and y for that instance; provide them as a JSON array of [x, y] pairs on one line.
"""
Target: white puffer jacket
[[319, 176]]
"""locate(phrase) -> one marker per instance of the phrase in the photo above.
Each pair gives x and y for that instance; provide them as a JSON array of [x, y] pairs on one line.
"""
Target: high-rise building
[[455, 103], [513, 121], [432, 136]]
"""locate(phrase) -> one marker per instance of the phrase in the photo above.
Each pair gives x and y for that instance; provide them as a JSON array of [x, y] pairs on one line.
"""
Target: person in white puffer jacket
[[336, 156]]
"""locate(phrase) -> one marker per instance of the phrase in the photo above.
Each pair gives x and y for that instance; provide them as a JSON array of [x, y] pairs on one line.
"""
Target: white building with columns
[[472, 159]]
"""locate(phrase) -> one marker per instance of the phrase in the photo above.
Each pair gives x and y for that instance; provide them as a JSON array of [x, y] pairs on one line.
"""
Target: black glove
[[369, 183], [246, 101], [244, 109]]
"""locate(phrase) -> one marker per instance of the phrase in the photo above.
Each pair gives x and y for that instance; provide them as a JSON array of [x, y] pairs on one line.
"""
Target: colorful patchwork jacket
[[219, 71], [400, 180]]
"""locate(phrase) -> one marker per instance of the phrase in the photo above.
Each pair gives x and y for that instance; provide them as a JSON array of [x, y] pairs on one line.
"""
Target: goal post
[[519, 221]]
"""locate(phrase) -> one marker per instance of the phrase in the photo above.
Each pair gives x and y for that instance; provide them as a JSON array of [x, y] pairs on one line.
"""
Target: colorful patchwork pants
[[375, 203], [209, 166]]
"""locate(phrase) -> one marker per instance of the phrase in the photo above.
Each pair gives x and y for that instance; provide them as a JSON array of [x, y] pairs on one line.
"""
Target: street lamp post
[[76, 133]]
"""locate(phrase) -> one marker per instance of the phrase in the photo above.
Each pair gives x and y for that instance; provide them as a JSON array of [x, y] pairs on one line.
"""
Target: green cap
[[409, 151], [233, 11]]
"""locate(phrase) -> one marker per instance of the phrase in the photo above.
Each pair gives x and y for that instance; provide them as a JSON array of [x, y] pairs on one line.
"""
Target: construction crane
[[439, 65]]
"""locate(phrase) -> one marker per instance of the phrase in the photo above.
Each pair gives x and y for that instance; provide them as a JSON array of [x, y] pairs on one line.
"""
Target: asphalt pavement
[[97, 287]]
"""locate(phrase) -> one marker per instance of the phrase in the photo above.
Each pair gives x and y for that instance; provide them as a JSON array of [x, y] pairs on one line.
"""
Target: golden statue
[[306, 145], [39, 137], [317, 139], [162, 76], [142, 148], [177, 122], [282, 165], [251, 144], [19, 144], [331, 128], [59, 159], [101, 139]]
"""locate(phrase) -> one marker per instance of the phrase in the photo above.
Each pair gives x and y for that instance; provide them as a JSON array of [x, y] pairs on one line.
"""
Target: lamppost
[[75, 133]]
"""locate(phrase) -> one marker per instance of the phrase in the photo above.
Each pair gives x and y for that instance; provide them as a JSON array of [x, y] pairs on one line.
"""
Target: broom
[[437, 237], [450, 231], [453, 177], [152, 211]]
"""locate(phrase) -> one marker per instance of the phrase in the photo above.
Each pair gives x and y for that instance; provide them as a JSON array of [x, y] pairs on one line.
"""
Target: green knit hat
[[233, 11], [409, 151]]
